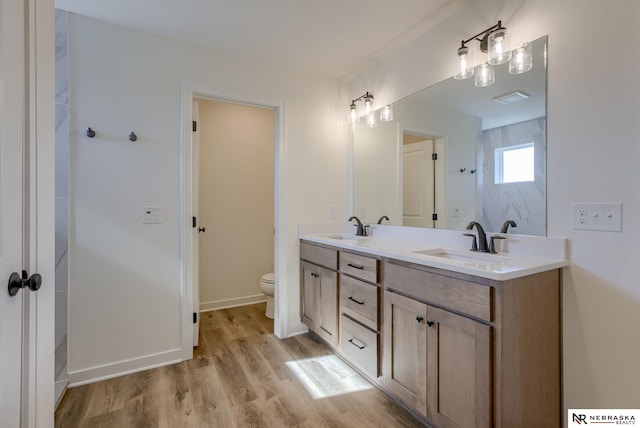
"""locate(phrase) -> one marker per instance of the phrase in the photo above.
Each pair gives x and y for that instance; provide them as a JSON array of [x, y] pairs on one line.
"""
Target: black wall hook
[[462, 170], [133, 136], [91, 133], [473, 171]]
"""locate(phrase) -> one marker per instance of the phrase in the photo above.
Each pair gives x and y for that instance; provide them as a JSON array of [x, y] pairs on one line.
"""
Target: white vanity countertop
[[448, 250]]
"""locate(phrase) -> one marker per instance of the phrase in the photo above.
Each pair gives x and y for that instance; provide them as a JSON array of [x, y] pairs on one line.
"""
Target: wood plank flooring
[[238, 377]]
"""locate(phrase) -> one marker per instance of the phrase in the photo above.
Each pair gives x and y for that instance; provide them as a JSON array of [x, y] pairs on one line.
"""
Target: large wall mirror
[[460, 152]]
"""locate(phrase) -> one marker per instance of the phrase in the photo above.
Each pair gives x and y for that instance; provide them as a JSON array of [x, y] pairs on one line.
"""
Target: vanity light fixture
[[369, 114], [494, 41]]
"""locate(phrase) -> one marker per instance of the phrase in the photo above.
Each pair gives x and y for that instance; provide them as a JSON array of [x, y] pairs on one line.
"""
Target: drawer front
[[360, 346], [359, 266], [462, 296], [359, 300], [322, 256]]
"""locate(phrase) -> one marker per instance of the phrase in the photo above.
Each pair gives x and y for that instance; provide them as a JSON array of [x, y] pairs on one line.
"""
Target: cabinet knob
[[430, 323], [420, 320]]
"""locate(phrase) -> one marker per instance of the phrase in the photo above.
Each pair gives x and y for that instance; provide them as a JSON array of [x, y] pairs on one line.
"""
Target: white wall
[[125, 276], [593, 152]]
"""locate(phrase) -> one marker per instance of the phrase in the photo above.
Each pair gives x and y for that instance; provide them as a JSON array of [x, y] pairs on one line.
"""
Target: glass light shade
[[368, 104], [353, 114], [485, 76], [521, 59], [386, 114], [464, 65], [371, 120], [499, 47]]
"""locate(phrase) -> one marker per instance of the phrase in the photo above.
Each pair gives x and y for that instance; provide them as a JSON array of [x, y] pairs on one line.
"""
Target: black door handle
[[16, 282], [201, 229]]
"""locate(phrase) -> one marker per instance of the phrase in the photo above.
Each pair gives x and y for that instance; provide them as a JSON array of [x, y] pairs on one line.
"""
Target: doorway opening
[[234, 202], [232, 250]]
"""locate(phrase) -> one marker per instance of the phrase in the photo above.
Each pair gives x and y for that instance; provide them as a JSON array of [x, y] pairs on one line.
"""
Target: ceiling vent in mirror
[[511, 97]]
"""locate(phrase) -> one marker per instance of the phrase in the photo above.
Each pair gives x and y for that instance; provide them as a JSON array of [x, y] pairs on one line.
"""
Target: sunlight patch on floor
[[327, 376]]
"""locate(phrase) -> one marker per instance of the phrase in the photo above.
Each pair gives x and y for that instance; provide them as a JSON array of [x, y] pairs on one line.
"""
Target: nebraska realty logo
[[581, 417]]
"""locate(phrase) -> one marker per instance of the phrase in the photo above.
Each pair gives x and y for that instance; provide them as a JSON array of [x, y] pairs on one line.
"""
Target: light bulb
[[386, 114], [485, 76], [499, 47], [522, 59], [368, 104], [353, 113], [464, 66]]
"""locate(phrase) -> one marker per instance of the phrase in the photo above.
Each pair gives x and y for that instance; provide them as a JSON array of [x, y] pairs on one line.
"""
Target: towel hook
[[90, 132], [133, 136]]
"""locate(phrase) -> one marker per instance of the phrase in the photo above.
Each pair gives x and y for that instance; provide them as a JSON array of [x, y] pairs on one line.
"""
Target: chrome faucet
[[360, 228], [506, 225], [482, 237], [384, 217]]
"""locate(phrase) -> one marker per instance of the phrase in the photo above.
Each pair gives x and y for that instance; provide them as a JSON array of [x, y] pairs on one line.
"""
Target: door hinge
[[434, 156], [194, 126], [195, 317], [193, 221], [434, 217]]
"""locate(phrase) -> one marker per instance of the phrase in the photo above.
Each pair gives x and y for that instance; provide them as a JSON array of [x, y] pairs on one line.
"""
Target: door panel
[[12, 81], [418, 184], [328, 317], [459, 387], [405, 350], [27, 226]]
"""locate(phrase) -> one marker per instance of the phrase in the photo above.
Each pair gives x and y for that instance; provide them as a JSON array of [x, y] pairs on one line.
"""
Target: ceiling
[[336, 38]]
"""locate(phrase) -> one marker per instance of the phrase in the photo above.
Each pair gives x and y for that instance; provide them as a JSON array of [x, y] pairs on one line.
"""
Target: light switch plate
[[597, 216], [151, 215]]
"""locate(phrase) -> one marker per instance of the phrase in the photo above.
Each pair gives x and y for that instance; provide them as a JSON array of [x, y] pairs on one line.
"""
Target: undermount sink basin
[[464, 256], [343, 237]]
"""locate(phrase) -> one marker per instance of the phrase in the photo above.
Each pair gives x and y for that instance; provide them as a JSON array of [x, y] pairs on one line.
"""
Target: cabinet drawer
[[322, 256], [359, 345], [359, 266], [462, 296], [359, 300]]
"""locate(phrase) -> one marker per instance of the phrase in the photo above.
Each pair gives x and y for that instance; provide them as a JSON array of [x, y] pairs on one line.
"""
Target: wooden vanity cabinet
[[319, 291], [468, 352]]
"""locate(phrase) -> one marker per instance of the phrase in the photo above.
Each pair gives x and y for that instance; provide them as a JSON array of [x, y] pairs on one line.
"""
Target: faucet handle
[[474, 244], [366, 229], [492, 246]]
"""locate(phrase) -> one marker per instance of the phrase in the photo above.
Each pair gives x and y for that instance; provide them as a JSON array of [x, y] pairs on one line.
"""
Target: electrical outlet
[[605, 216]]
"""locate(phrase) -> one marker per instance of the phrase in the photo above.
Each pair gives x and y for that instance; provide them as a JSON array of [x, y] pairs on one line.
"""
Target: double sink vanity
[[461, 338]]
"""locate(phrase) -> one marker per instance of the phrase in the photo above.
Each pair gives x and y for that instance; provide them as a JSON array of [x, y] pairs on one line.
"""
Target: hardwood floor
[[238, 377]]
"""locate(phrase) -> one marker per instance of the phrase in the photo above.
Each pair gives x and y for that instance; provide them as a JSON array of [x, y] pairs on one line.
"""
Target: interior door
[[195, 154], [418, 185], [26, 212], [12, 80]]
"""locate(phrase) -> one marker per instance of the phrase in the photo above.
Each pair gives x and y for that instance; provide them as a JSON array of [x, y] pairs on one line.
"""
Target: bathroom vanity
[[463, 340]]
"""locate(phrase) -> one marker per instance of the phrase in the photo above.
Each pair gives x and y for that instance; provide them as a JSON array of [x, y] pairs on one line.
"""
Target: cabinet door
[[459, 381], [327, 283], [405, 350], [308, 299]]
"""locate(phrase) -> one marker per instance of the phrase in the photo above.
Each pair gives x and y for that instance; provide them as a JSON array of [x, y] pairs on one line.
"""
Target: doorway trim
[[189, 92]]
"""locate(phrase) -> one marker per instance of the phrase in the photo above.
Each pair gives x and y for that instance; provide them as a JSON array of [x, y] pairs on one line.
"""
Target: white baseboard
[[120, 368], [297, 330], [232, 303]]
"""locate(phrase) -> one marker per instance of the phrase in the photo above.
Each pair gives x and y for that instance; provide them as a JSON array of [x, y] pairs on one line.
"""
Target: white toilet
[[267, 284]]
